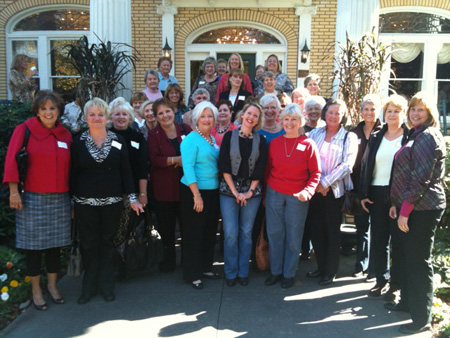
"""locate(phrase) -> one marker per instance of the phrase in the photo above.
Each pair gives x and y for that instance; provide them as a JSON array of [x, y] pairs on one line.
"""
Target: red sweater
[[48, 157], [299, 172]]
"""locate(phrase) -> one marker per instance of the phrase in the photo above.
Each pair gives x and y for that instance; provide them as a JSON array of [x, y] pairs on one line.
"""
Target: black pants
[[97, 227], [416, 267], [363, 261], [326, 217], [382, 231], [34, 258], [307, 235], [199, 232], [167, 214]]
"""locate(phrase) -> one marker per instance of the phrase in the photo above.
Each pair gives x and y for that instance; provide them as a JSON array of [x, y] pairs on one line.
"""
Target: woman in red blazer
[[166, 172]]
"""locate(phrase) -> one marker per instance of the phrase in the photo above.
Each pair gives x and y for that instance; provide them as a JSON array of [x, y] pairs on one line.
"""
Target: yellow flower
[[4, 289], [27, 279], [13, 283]]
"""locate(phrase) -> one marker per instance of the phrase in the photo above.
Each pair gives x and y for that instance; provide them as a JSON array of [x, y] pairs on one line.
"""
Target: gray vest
[[235, 153]]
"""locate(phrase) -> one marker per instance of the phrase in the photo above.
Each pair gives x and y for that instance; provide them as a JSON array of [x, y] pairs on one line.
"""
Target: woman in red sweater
[[293, 173], [41, 229]]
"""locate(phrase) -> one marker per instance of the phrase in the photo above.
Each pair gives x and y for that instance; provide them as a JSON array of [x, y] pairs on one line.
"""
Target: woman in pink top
[[293, 174], [151, 81], [224, 123]]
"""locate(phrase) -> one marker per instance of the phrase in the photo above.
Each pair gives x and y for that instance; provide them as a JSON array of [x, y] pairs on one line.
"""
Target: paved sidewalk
[[162, 305]]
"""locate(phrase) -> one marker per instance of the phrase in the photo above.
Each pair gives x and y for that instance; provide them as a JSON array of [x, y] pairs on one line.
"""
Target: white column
[[111, 21], [168, 28], [305, 14], [431, 50], [355, 17]]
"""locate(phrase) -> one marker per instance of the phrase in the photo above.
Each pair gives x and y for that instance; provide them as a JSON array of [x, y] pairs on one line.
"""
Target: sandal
[[59, 301], [42, 307]]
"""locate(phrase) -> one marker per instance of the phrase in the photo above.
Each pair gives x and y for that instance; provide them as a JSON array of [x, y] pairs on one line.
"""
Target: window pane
[[65, 87], [28, 48], [408, 70], [237, 35], [57, 20], [59, 64], [444, 105], [409, 22], [405, 88]]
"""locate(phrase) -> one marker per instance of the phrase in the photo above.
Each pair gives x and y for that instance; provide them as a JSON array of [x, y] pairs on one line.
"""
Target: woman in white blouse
[[337, 149]]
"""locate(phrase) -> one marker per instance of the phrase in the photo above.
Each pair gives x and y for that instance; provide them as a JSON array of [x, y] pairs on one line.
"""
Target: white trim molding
[[168, 13], [305, 14]]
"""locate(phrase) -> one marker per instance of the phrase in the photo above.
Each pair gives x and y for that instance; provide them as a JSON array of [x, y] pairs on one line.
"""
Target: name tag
[[359, 141], [410, 143], [216, 147], [241, 98], [201, 82], [135, 144], [182, 137], [62, 144], [301, 147], [116, 144]]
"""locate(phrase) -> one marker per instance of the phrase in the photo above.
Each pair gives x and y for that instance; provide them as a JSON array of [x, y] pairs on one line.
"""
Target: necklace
[[292, 150], [241, 134], [271, 129], [210, 141], [221, 131]]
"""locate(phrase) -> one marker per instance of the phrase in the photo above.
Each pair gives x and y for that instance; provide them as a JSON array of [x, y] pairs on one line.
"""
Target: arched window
[[414, 22], [237, 35], [41, 34]]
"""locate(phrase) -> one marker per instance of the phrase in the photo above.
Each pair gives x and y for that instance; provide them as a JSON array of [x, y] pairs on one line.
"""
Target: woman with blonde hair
[[20, 83]]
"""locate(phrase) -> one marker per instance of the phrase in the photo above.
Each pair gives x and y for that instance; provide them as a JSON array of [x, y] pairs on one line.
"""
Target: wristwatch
[[252, 190]]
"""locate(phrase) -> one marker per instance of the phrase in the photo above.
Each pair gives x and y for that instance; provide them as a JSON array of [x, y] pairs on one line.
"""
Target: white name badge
[[182, 137], [135, 144], [301, 147], [241, 98], [62, 144], [359, 141], [410, 143], [216, 147], [201, 82], [116, 144]]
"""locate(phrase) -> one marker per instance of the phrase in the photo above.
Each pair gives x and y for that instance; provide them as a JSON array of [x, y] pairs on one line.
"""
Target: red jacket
[[223, 85], [165, 179], [48, 157]]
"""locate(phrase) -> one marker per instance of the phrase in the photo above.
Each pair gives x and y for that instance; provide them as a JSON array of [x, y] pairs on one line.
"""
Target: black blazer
[[368, 161], [239, 103], [111, 178]]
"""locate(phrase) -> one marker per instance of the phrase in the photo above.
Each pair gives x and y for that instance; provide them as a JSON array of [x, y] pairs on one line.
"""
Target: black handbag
[[75, 263], [352, 202], [22, 160]]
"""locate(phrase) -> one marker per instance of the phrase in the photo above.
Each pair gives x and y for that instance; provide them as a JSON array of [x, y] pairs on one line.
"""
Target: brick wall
[[442, 4]]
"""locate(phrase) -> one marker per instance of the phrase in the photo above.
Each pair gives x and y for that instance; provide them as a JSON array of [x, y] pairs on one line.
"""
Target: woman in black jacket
[[236, 94], [101, 174], [374, 182]]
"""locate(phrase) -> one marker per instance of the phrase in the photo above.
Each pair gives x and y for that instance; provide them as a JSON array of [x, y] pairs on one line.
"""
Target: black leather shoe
[[243, 281], [211, 275], [412, 329], [109, 297], [287, 282], [396, 307], [272, 279], [84, 299], [326, 280], [377, 290], [305, 256], [231, 282], [314, 274]]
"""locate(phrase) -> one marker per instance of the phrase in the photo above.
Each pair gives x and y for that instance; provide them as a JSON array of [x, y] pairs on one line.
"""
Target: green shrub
[[12, 114], [445, 221]]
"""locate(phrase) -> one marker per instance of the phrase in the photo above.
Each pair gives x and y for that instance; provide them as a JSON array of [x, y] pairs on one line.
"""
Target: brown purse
[[262, 250]]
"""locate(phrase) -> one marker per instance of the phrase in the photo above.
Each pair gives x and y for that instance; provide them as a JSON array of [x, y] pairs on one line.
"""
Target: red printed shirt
[[298, 172], [48, 157]]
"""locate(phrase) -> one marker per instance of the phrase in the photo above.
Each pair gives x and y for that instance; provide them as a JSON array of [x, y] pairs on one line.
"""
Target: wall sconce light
[[167, 51], [305, 52]]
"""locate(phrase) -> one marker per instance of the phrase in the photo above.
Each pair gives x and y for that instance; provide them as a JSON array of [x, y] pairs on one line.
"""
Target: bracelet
[[14, 194], [252, 190]]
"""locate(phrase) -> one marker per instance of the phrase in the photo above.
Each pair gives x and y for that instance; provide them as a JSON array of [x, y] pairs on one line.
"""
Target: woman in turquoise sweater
[[199, 196]]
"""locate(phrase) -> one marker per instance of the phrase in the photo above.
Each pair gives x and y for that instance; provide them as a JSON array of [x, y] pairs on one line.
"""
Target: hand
[[322, 190], [302, 196], [242, 198], [143, 200], [393, 212], [403, 223], [363, 204], [137, 207], [15, 201], [198, 203], [177, 161]]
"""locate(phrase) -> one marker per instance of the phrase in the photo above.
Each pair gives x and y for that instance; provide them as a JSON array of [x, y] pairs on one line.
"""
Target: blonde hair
[[120, 104], [241, 63], [279, 69], [260, 118], [96, 102], [397, 101], [430, 106]]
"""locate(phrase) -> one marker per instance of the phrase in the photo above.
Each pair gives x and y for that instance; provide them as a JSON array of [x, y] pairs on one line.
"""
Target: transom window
[[237, 35], [412, 22]]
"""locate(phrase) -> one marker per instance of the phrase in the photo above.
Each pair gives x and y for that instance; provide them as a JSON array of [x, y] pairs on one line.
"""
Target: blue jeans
[[237, 229], [285, 222]]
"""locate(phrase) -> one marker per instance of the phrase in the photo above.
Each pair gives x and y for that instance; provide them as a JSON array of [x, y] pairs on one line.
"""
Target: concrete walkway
[[162, 305]]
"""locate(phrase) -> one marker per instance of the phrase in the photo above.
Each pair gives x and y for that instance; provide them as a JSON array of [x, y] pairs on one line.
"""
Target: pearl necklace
[[210, 141], [222, 131], [271, 129]]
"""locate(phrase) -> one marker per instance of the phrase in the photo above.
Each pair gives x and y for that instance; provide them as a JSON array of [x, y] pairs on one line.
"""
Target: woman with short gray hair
[[199, 196], [294, 174], [271, 109], [151, 80], [268, 82], [313, 111], [209, 80]]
